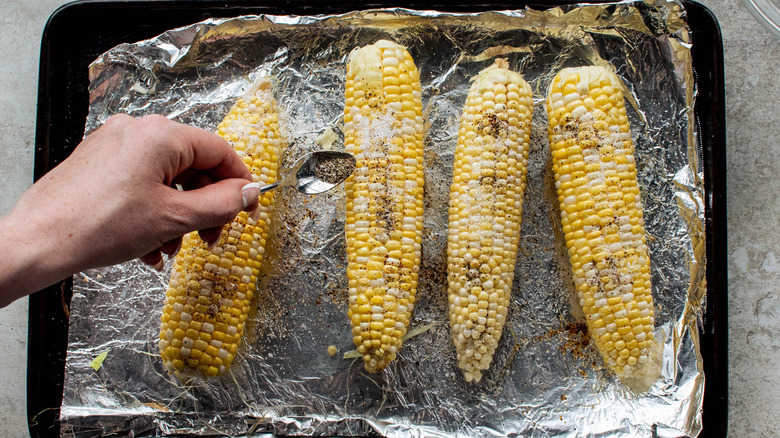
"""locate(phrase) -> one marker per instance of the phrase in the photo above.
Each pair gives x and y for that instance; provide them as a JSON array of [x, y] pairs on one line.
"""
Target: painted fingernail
[[249, 193]]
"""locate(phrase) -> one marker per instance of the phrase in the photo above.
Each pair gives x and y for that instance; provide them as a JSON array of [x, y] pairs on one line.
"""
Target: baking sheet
[[545, 378]]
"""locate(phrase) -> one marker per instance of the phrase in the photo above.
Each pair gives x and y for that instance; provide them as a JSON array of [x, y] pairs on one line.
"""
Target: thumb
[[216, 204]]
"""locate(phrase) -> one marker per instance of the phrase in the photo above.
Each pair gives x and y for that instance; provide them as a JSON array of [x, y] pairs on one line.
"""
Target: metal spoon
[[317, 172]]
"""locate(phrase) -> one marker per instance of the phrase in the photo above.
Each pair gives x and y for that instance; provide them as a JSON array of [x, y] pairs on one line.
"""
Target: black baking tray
[[79, 32]]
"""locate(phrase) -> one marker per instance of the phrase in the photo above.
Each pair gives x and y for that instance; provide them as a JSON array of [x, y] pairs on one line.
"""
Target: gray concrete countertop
[[752, 93]]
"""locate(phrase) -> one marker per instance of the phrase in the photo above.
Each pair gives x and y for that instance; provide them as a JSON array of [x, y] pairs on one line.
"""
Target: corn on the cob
[[383, 128], [485, 211], [210, 290], [601, 214]]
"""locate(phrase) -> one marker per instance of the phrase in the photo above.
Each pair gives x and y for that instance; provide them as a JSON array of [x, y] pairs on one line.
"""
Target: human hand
[[113, 199]]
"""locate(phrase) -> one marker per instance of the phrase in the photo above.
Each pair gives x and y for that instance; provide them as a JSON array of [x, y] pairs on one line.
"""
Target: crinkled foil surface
[[546, 379]]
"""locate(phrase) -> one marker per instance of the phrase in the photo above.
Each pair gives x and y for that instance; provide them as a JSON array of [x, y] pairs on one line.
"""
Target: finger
[[194, 180], [210, 235], [118, 118], [184, 177], [153, 259], [211, 152], [171, 247], [250, 197], [215, 204]]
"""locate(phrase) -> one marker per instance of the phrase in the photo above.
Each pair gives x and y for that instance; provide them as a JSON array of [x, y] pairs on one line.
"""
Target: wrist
[[33, 260]]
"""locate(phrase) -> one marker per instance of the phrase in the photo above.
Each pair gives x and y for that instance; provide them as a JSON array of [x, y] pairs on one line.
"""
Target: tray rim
[[49, 307]]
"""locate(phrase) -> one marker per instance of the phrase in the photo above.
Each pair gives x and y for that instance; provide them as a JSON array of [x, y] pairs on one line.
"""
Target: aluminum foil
[[546, 379]]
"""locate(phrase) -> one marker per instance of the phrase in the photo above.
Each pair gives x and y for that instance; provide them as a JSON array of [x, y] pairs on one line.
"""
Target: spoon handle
[[264, 189]]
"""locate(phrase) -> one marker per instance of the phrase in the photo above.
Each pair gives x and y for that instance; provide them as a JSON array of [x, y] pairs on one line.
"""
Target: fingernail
[[249, 193], [159, 266]]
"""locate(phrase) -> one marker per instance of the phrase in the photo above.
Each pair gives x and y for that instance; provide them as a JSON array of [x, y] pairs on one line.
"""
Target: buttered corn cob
[[601, 214], [210, 291], [383, 129], [485, 211]]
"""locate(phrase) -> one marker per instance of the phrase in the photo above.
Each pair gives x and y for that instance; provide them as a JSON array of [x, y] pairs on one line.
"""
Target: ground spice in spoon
[[334, 171]]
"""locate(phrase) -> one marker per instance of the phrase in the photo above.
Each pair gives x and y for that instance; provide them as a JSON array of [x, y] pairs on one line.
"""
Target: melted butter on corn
[[486, 197], [601, 214], [210, 290], [383, 128]]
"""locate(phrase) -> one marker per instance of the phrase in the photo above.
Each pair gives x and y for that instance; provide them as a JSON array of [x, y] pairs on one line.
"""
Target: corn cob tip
[[502, 63], [586, 75], [642, 376], [263, 81], [368, 59], [379, 44], [499, 66], [498, 63]]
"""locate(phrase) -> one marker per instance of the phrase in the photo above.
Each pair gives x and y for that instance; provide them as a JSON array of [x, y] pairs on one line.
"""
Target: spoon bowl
[[317, 172]]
